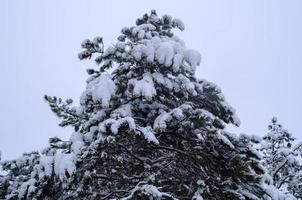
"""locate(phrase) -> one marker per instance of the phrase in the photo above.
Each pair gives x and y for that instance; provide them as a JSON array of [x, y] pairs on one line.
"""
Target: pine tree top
[[146, 128]]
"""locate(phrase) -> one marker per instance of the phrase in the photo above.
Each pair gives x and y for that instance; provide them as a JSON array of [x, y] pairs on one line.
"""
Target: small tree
[[281, 158], [148, 130]]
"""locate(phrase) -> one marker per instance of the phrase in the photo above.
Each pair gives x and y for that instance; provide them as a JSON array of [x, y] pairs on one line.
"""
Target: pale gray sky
[[252, 49]]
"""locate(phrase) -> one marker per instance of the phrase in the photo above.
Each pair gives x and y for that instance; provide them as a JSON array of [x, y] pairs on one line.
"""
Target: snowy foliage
[[100, 89], [283, 159], [148, 130]]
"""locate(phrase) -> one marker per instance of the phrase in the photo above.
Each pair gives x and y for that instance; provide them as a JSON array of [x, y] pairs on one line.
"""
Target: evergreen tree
[[148, 130], [281, 157]]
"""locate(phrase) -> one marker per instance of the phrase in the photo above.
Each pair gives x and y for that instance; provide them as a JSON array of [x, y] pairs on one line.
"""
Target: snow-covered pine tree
[[148, 130], [281, 157]]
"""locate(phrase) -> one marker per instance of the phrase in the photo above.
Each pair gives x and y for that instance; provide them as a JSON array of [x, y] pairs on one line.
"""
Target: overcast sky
[[251, 49]]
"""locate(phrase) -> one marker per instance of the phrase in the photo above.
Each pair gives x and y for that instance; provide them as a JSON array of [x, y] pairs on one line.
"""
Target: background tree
[[281, 157], [148, 130]]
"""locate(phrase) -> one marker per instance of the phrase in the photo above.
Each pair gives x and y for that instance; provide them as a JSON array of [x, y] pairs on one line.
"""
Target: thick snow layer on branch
[[64, 163], [143, 87], [150, 190], [225, 140], [2, 172], [177, 62], [163, 81], [102, 89], [46, 162], [197, 196], [27, 187], [160, 123], [115, 124], [179, 24], [122, 111], [185, 84], [165, 53], [170, 52], [142, 29], [192, 57], [276, 194], [77, 142], [148, 134]]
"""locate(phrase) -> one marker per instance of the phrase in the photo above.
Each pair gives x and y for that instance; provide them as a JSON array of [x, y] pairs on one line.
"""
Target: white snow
[[64, 162], [160, 123], [164, 81], [77, 142], [177, 62], [26, 187], [148, 134], [102, 89], [137, 52], [204, 114], [144, 87], [108, 51], [179, 24], [118, 123], [298, 146], [141, 34], [152, 190], [276, 194], [177, 113], [122, 111], [142, 27], [149, 50], [284, 151], [197, 196], [185, 84], [225, 140], [192, 57], [166, 51], [46, 162], [149, 190], [115, 124]]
